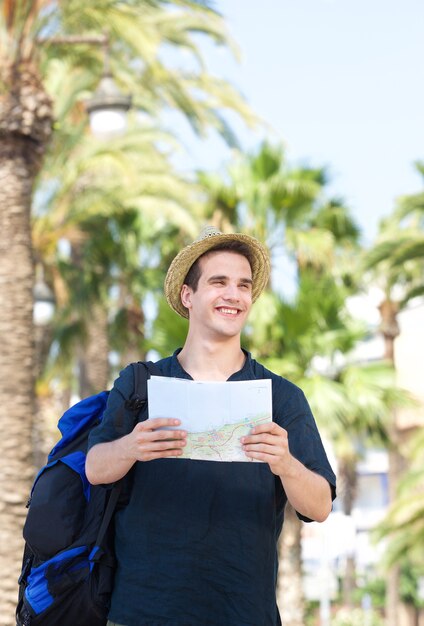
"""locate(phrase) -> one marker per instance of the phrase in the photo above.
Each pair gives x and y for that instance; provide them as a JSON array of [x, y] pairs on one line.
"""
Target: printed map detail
[[214, 414], [222, 444]]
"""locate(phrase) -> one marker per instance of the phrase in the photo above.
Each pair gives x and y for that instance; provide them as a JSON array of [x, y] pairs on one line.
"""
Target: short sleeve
[[122, 389], [292, 412]]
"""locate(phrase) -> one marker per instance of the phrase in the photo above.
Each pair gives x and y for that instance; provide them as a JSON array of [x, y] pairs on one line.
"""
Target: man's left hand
[[269, 443]]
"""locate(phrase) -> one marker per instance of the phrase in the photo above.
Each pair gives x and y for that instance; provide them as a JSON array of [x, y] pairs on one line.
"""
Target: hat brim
[[181, 264]]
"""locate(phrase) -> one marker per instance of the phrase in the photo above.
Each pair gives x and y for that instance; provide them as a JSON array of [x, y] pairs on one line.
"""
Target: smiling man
[[197, 543]]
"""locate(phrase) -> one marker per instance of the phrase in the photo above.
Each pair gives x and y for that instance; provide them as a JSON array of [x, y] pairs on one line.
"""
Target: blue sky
[[341, 84]]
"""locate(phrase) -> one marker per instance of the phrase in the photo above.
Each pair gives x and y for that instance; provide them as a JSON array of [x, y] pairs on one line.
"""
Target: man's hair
[[239, 247]]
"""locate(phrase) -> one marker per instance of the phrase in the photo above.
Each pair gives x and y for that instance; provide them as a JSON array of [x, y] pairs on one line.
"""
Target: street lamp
[[43, 312], [108, 107], [44, 301]]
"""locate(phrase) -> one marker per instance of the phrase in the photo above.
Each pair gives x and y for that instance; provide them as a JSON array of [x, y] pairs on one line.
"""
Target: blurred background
[[125, 127]]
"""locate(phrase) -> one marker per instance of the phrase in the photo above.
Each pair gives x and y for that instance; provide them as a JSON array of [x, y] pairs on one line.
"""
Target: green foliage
[[169, 331], [410, 575], [374, 589], [398, 254], [403, 526], [356, 617], [304, 337], [117, 201], [311, 612]]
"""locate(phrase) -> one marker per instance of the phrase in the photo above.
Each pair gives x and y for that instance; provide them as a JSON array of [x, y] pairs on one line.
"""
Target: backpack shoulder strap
[[142, 370], [107, 518]]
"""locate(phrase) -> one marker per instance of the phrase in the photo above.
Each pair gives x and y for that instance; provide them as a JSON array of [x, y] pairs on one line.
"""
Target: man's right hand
[[154, 439], [108, 462]]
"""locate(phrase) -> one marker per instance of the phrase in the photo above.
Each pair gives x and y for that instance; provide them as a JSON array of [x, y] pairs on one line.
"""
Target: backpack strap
[[142, 370], [107, 517]]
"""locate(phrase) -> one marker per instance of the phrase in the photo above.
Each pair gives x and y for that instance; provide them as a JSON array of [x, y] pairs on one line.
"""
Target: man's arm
[[308, 492], [109, 461]]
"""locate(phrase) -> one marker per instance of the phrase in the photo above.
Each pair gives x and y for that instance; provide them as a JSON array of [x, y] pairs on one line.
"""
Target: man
[[196, 544]]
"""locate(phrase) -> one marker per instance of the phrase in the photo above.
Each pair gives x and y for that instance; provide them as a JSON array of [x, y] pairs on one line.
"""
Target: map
[[222, 444], [214, 414]]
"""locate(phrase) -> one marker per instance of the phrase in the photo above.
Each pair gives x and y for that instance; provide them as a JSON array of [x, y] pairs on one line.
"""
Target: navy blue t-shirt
[[197, 543]]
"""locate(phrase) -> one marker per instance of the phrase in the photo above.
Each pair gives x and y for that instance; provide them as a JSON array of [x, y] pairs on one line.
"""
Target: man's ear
[[185, 295]]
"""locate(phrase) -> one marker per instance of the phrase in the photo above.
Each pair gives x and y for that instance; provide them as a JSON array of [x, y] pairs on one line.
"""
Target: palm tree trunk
[[93, 352], [390, 330], [347, 476], [94, 359], [16, 360], [25, 127], [135, 328], [290, 598]]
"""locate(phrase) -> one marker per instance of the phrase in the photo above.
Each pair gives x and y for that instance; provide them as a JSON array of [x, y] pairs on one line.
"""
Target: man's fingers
[[160, 435], [153, 446], [262, 448], [157, 422], [151, 456], [268, 427], [147, 450], [261, 438]]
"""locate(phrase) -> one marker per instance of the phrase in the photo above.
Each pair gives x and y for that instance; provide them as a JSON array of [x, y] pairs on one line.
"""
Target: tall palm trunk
[[347, 476], [94, 359], [93, 353], [290, 597], [25, 127], [390, 330], [135, 323]]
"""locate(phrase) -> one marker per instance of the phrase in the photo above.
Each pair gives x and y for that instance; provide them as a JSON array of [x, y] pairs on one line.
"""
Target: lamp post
[[108, 107], [43, 312], [44, 300], [107, 111]]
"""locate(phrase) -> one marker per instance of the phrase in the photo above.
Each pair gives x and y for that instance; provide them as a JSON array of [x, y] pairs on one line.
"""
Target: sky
[[340, 82]]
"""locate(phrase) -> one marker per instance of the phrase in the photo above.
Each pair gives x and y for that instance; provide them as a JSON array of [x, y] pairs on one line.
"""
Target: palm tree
[[404, 252], [154, 85], [265, 197], [26, 119], [35, 38], [111, 216], [397, 265], [304, 339], [403, 527], [261, 193], [402, 530], [401, 243]]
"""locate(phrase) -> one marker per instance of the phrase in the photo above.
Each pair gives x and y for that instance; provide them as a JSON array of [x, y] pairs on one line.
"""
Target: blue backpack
[[69, 561]]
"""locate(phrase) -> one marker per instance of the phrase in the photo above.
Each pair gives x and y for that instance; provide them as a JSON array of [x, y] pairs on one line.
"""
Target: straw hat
[[209, 238]]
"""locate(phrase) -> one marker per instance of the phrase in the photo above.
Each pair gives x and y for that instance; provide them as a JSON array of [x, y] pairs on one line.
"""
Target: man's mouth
[[227, 310]]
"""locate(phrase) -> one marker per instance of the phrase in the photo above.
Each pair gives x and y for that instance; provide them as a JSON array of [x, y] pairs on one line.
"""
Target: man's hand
[[147, 442], [269, 442], [109, 461], [307, 491]]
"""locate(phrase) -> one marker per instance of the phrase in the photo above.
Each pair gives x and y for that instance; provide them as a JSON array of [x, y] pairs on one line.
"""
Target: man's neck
[[211, 361]]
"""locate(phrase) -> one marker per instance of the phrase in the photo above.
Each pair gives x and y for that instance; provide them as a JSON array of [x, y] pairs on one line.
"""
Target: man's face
[[221, 303]]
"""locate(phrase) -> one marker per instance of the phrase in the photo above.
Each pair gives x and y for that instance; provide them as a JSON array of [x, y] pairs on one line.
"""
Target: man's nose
[[232, 292]]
